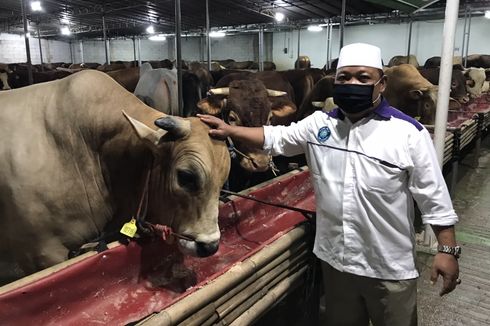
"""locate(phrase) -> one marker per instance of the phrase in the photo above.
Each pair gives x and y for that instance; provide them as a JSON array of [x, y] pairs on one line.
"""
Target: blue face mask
[[354, 98]]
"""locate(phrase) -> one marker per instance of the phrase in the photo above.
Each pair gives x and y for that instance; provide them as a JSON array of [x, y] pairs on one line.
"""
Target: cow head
[[248, 103], [188, 172], [458, 87], [424, 102]]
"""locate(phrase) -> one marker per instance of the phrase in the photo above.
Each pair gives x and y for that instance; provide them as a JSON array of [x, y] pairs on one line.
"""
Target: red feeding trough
[[127, 283]]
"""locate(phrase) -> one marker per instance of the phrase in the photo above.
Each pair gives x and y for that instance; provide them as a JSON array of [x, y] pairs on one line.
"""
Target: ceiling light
[[64, 20], [217, 34], [279, 16], [36, 6], [487, 14], [315, 28], [28, 35], [65, 30], [150, 29], [158, 38]]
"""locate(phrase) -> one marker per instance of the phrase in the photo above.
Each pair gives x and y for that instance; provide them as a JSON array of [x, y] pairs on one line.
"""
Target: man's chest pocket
[[381, 177]]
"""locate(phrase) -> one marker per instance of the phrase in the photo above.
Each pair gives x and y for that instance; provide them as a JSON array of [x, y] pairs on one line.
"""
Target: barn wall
[[12, 49], [391, 38]]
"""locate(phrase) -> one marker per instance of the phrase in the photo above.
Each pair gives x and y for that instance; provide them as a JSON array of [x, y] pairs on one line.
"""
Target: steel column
[[468, 37], [342, 24], [208, 39], [409, 39], [464, 35], [134, 50], [261, 48], [139, 52], [451, 19], [179, 55], [329, 34], [71, 52], [26, 38], [299, 44], [40, 48], [82, 59], [105, 39]]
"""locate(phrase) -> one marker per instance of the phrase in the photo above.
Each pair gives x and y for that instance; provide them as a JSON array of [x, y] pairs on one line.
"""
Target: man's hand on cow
[[447, 266], [219, 128]]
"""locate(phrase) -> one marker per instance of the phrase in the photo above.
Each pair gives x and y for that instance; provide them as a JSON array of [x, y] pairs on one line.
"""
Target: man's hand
[[447, 266], [219, 128]]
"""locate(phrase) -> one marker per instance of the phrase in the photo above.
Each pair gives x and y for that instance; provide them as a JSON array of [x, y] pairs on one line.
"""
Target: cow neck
[[164, 231]]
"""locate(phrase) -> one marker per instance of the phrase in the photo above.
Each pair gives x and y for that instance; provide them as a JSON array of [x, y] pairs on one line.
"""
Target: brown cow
[[78, 164], [408, 91], [458, 82], [402, 59], [127, 78]]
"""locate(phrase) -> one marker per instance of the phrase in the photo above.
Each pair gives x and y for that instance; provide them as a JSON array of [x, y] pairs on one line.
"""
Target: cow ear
[[210, 108], [144, 132], [283, 110], [415, 94]]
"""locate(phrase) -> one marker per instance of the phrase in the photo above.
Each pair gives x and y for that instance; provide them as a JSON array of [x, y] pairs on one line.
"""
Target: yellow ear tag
[[129, 229], [417, 118]]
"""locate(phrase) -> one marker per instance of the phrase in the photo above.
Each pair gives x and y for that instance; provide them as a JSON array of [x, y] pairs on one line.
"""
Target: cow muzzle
[[197, 248]]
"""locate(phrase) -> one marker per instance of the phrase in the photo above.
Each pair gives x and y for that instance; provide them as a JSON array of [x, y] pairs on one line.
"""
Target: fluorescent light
[[150, 29], [315, 28], [64, 20], [158, 38], [65, 30], [487, 14], [279, 16], [36, 6], [217, 34], [28, 35]]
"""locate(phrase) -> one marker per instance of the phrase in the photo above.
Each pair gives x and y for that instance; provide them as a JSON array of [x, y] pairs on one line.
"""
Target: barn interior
[[47, 35]]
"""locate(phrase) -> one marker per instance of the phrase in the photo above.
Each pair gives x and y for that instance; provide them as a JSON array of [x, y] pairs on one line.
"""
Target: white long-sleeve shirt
[[365, 175]]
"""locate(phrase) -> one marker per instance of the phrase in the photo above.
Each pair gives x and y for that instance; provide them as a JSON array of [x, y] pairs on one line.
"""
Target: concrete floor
[[469, 304]]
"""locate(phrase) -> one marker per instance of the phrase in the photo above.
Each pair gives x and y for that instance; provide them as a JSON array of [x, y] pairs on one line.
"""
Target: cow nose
[[205, 249]]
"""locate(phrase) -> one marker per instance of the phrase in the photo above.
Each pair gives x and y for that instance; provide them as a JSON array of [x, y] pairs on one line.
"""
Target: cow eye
[[188, 180]]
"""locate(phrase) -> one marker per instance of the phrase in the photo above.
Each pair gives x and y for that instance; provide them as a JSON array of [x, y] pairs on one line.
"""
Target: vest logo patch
[[323, 134]]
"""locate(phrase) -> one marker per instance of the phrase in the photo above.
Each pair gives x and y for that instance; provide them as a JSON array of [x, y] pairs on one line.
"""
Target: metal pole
[[179, 56], [134, 50], [71, 52], [468, 36], [261, 48], [464, 35], [208, 39], [451, 19], [299, 43], [329, 27], [26, 38], [409, 39], [330, 38], [105, 39], [40, 48], [139, 52], [342, 24], [82, 60]]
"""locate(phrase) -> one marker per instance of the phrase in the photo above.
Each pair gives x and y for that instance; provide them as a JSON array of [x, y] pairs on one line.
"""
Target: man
[[367, 161]]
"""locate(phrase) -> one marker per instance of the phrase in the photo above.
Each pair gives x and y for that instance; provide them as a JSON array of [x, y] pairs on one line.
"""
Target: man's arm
[[444, 264], [253, 136]]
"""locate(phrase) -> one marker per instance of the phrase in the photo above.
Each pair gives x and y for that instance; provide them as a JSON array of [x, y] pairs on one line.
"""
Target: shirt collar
[[382, 110]]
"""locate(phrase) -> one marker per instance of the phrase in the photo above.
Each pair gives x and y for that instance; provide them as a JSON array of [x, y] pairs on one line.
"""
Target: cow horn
[[145, 132], [220, 91], [176, 126], [318, 104], [272, 92]]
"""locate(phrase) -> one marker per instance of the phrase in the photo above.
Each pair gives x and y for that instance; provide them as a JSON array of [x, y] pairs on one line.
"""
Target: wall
[[12, 50], [239, 47], [391, 38]]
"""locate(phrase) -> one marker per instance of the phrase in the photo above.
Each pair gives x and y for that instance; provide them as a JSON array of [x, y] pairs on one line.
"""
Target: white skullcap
[[360, 54]]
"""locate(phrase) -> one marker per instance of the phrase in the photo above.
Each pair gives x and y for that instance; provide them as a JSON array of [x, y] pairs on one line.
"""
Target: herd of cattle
[[80, 154]]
